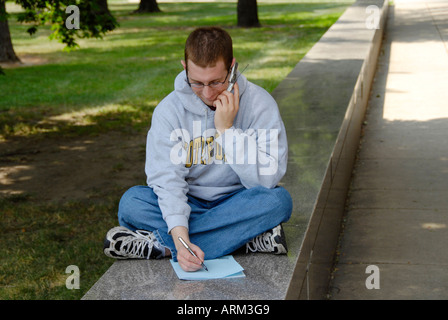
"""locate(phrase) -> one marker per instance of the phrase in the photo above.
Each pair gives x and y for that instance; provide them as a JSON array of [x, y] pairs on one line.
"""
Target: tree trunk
[[7, 53], [148, 6], [103, 8], [247, 13], [107, 21]]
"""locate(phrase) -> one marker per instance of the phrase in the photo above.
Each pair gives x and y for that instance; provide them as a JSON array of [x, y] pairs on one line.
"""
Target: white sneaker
[[272, 241], [122, 243]]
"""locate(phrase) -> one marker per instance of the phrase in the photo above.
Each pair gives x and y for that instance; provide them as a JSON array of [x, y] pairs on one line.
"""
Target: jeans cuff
[[163, 243]]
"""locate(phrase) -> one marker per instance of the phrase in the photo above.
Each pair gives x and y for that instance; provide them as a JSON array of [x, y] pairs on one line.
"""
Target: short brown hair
[[205, 46]]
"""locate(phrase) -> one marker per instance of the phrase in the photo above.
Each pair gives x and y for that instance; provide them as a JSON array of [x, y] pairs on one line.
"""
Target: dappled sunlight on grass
[[90, 121]]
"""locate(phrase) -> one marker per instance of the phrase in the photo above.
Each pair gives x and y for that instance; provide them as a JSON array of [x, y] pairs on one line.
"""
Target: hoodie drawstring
[[205, 141]]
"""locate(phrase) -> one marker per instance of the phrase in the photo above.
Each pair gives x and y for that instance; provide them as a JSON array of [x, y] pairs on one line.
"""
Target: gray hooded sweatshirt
[[185, 155]]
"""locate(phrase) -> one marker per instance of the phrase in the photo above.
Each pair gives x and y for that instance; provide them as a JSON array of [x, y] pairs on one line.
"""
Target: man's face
[[208, 75]]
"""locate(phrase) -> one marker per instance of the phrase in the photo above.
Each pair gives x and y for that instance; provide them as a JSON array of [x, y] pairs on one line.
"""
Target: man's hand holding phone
[[227, 105]]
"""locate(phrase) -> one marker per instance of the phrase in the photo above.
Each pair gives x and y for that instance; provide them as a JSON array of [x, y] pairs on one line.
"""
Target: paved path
[[397, 215]]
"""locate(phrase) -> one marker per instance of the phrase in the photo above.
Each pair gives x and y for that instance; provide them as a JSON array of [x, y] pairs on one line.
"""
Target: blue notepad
[[224, 267]]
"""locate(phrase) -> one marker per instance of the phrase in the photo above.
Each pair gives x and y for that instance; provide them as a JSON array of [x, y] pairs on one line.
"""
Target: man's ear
[[184, 64], [233, 62]]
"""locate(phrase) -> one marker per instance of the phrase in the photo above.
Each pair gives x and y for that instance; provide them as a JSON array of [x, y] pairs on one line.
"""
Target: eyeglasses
[[214, 84]]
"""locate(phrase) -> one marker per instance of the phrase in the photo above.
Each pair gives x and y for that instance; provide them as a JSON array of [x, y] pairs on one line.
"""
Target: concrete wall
[[323, 102]]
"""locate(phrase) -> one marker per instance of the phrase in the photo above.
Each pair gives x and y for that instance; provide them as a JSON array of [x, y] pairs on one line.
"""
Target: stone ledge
[[322, 102]]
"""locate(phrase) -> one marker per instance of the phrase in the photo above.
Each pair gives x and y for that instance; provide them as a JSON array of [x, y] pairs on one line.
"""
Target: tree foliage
[[94, 20]]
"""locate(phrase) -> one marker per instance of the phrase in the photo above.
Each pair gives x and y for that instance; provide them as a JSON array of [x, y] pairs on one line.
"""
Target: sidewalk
[[397, 214]]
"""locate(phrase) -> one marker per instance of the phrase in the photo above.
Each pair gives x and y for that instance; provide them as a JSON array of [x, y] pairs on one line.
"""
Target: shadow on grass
[[42, 240]]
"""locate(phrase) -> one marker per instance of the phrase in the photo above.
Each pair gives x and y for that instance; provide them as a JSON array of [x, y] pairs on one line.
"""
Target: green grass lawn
[[114, 83]]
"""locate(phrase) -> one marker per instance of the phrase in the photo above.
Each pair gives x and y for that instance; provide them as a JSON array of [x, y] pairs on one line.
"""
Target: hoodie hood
[[190, 100]]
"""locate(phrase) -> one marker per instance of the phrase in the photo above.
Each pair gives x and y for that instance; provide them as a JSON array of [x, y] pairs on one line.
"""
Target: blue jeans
[[218, 227]]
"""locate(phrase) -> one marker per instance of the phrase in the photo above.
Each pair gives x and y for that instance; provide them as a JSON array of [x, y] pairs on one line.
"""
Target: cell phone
[[233, 77]]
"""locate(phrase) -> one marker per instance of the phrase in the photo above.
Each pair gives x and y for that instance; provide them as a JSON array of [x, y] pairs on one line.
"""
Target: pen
[[191, 251]]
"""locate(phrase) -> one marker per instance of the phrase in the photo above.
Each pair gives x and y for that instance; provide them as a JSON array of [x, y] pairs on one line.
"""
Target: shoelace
[[135, 246], [261, 243]]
